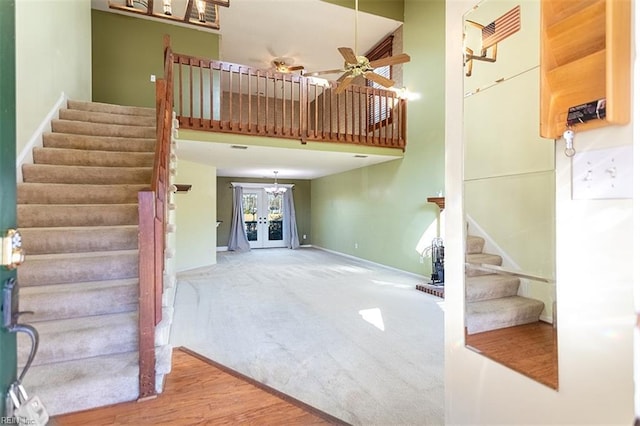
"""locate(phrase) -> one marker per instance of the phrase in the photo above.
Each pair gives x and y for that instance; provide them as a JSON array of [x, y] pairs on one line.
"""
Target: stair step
[[74, 300], [475, 244], [98, 143], [486, 315], [83, 157], [494, 286], [83, 337], [85, 383], [107, 118], [481, 258], [111, 108], [79, 239], [99, 129], [51, 215], [47, 173], [70, 193], [47, 269]]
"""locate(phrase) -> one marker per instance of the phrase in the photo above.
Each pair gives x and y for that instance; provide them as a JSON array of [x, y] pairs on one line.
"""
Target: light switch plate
[[603, 174]]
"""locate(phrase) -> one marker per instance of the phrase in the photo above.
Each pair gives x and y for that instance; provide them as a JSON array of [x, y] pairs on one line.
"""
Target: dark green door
[[7, 176]]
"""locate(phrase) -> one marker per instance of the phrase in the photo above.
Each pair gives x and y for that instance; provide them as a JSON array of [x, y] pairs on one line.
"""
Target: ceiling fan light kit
[[356, 66]]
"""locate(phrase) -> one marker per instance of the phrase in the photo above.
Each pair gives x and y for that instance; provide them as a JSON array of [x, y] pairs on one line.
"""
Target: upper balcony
[[216, 96]]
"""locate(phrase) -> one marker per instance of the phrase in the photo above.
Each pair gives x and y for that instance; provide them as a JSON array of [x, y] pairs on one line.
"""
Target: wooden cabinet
[[585, 57]]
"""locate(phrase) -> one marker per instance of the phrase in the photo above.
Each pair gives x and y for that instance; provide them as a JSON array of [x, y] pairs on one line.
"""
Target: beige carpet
[[348, 337]]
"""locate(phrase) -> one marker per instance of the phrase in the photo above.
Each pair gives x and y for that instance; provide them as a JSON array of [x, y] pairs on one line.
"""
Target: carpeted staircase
[[78, 215], [492, 300]]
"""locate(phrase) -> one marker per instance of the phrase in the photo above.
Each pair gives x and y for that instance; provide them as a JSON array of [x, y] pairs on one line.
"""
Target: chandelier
[[275, 189]]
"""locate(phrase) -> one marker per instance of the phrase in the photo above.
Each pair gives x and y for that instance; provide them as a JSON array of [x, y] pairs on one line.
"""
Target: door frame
[[8, 351]]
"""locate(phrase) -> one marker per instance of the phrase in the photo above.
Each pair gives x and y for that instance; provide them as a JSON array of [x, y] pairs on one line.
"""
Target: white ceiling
[[254, 32]]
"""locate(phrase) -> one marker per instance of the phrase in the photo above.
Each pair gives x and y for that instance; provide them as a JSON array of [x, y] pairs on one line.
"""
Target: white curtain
[[238, 237], [290, 229]]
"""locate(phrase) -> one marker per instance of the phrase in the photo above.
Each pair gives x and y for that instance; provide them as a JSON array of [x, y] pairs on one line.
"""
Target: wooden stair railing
[[220, 96], [152, 211]]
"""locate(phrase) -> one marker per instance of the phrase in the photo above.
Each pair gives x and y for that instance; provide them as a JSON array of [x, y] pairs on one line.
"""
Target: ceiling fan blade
[[343, 76], [344, 83], [391, 60], [348, 55], [383, 81], [296, 68], [316, 73]]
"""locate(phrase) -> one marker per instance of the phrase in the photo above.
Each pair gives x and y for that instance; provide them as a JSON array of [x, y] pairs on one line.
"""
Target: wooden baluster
[[180, 90], [200, 67], [282, 130], [211, 90], [190, 92], [275, 107], [250, 97]]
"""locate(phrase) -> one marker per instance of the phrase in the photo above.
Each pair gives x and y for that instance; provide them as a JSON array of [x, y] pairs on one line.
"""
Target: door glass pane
[[275, 217], [250, 210]]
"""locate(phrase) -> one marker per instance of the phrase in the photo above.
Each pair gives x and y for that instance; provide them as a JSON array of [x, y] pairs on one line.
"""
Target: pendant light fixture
[[275, 189]]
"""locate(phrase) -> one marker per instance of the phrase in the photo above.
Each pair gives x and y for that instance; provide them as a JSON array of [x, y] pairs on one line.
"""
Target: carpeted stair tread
[[107, 117], [494, 286], [475, 244], [111, 108], [99, 129], [69, 239], [41, 215], [98, 143], [58, 301], [49, 173], [484, 258], [485, 315], [479, 259], [83, 157], [83, 337], [87, 383], [65, 193], [46, 269]]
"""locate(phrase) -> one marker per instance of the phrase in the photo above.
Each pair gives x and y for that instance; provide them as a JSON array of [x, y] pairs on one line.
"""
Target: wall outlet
[[304, 236], [152, 78], [356, 245]]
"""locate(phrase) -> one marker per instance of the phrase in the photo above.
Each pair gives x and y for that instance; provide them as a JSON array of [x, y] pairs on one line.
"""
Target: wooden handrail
[[220, 96], [152, 212]]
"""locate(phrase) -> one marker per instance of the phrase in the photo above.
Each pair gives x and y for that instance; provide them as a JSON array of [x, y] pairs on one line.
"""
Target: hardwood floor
[[530, 349], [199, 391]]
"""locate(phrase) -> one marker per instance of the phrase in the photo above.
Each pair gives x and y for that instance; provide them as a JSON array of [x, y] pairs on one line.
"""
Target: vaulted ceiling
[[306, 32]]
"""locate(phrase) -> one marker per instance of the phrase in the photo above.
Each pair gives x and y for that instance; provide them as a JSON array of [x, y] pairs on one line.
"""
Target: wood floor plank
[[200, 392], [531, 349]]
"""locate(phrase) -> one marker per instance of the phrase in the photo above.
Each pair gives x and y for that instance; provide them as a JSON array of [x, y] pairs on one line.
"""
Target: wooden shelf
[[437, 200], [586, 56]]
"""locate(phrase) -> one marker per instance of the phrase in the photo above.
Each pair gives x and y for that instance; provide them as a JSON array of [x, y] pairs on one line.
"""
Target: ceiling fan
[[284, 65], [356, 66]]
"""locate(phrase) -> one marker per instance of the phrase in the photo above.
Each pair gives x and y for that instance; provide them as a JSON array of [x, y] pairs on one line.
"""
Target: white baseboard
[[222, 248], [26, 155], [368, 261]]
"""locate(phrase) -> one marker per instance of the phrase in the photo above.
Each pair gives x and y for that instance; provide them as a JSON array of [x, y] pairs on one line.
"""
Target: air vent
[[360, 156], [239, 146]]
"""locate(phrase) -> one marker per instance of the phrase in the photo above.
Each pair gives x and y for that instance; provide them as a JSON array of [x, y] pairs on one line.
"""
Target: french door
[[263, 214]]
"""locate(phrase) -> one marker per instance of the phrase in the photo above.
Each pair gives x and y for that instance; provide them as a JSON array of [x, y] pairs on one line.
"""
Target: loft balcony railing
[[218, 96]]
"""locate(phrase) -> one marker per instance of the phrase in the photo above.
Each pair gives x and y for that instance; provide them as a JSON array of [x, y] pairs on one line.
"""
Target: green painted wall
[[392, 9], [383, 208], [301, 201], [127, 50], [195, 216], [53, 56]]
